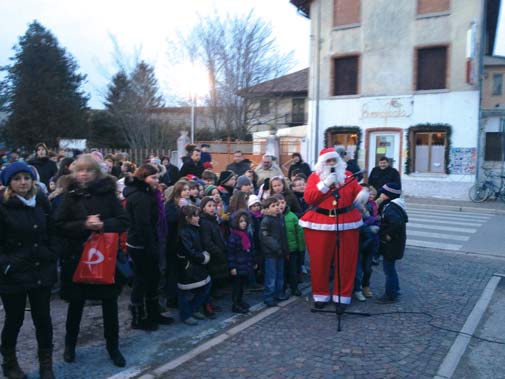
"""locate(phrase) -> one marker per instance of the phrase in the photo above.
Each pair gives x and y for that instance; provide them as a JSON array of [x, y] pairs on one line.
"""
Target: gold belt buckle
[[332, 213]]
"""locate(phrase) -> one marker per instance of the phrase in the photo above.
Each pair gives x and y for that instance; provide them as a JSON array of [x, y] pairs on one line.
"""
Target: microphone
[[362, 171], [332, 170]]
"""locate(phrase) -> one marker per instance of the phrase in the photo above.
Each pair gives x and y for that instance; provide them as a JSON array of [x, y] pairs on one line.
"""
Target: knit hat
[[243, 181], [392, 190], [97, 155], [208, 190], [14, 168], [253, 199], [341, 151], [224, 176]]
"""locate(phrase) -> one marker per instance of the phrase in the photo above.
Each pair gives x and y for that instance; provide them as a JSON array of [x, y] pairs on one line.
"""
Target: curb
[[457, 208], [458, 348], [174, 363]]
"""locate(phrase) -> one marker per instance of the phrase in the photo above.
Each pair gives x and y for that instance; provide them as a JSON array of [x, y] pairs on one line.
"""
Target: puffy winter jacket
[[192, 259], [273, 238], [393, 224], [294, 233], [238, 258], [214, 242]]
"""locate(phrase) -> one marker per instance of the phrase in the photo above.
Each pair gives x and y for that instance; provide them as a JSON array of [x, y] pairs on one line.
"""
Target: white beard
[[339, 169]]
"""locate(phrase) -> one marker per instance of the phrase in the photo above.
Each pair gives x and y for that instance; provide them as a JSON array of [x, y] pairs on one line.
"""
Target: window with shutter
[[345, 76], [431, 68], [432, 6]]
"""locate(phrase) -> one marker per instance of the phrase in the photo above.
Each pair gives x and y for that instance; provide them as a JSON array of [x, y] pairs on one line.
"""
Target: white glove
[[330, 179], [374, 229]]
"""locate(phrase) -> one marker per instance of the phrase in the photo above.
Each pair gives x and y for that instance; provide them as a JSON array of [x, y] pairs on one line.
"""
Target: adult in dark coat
[[239, 165], [143, 246], [383, 174], [192, 166], [45, 167], [393, 237], [89, 205], [299, 165], [171, 175], [352, 164], [27, 265]]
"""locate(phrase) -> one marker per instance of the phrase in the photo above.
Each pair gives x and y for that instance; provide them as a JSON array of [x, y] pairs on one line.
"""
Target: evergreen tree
[[45, 101]]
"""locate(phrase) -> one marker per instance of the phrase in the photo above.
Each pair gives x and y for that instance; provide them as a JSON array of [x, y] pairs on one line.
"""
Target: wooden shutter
[[431, 68], [345, 76]]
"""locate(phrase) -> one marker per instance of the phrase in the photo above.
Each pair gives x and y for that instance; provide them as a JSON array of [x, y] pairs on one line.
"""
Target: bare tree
[[238, 53]]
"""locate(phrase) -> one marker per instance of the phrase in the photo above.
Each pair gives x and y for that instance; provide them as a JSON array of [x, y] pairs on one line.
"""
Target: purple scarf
[[256, 214], [246, 242], [161, 226]]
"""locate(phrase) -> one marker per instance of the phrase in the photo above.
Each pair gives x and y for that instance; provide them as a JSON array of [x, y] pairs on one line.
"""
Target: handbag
[[98, 259]]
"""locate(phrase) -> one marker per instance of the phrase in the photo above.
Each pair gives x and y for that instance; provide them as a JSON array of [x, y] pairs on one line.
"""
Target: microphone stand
[[340, 309]]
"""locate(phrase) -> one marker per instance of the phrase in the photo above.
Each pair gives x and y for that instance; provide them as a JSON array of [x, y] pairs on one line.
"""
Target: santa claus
[[332, 193]]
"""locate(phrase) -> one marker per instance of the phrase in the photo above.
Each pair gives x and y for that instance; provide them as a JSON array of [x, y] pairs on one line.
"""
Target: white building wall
[[460, 110]]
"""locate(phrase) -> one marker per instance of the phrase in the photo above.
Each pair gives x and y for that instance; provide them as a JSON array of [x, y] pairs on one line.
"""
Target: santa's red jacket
[[324, 217]]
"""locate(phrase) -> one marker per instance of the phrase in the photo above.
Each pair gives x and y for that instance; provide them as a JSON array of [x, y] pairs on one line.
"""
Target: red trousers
[[322, 247]]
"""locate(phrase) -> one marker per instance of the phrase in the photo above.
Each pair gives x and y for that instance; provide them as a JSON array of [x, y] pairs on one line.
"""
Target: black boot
[[10, 365], [138, 319], [46, 363], [69, 352], [154, 315], [115, 355]]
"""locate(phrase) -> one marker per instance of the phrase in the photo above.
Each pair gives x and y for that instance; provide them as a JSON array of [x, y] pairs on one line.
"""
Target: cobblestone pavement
[[295, 343]]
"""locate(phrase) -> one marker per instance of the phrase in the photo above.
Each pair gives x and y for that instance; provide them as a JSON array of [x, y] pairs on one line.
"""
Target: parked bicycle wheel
[[501, 195], [479, 192]]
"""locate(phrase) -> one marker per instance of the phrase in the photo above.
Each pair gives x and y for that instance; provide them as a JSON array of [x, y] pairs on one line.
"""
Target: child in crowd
[[244, 185], [298, 188], [213, 242], [238, 201], [278, 186], [213, 192], [193, 282], [393, 236], [209, 177], [255, 215], [253, 177], [368, 246], [296, 246], [240, 258], [194, 193], [274, 247]]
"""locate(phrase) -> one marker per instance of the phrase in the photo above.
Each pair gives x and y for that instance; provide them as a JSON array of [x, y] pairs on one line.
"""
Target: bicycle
[[487, 188]]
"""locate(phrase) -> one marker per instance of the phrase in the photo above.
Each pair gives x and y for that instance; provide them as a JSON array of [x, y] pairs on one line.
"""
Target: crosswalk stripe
[[454, 237], [449, 213], [447, 218], [437, 221], [434, 245], [441, 227]]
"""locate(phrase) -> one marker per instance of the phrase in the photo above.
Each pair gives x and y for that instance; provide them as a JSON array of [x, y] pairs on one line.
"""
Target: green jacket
[[296, 241]]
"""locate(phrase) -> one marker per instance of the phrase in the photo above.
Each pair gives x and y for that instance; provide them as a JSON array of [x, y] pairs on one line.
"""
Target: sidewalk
[[396, 342], [490, 206]]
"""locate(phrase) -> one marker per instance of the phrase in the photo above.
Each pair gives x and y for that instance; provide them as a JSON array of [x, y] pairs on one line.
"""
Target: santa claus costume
[[329, 219]]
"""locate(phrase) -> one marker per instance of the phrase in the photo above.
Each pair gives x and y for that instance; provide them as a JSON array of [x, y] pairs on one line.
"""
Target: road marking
[[454, 237], [434, 245], [451, 360], [127, 374], [455, 215], [437, 221], [441, 227]]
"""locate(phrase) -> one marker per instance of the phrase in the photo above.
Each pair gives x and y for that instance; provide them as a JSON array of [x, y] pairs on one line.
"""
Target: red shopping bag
[[98, 259]]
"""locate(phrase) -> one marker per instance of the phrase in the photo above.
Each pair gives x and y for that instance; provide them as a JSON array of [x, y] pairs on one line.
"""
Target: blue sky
[[84, 27]]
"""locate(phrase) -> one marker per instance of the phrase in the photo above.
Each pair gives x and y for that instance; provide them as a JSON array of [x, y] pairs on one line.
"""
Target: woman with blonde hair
[[27, 265], [90, 204]]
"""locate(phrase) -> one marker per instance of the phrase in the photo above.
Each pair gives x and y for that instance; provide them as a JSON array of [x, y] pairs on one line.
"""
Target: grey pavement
[[402, 340], [489, 206], [484, 359]]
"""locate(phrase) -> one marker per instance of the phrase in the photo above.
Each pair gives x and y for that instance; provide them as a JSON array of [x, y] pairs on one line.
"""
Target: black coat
[[301, 166], [241, 167], [142, 211], [214, 242], [353, 166], [192, 262], [190, 167], [273, 237], [393, 224], [238, 258], [46, 168], [171, 176], [99, 197], [28, 248], [380, 177]]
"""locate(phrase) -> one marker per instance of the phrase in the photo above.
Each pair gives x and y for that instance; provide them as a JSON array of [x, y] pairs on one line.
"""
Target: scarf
[[256, 214], [246, 242], [31, 202]]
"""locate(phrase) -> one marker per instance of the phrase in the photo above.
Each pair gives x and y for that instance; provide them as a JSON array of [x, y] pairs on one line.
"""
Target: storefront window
[[429, 155]]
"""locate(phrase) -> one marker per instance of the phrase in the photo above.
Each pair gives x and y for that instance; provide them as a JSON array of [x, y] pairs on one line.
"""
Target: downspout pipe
[[481, 86]]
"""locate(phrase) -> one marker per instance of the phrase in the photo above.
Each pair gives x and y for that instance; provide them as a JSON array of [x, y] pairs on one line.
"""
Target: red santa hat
[[324, 155]]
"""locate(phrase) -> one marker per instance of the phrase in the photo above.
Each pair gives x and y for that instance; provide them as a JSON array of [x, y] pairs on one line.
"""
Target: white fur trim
[[362, 196], [191, 286], [341, 299], [330, 227], [322, 187], [321, 298], [324, 157]]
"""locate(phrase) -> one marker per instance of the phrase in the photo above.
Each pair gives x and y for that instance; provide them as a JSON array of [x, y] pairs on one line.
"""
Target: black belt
[[335, 211]]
